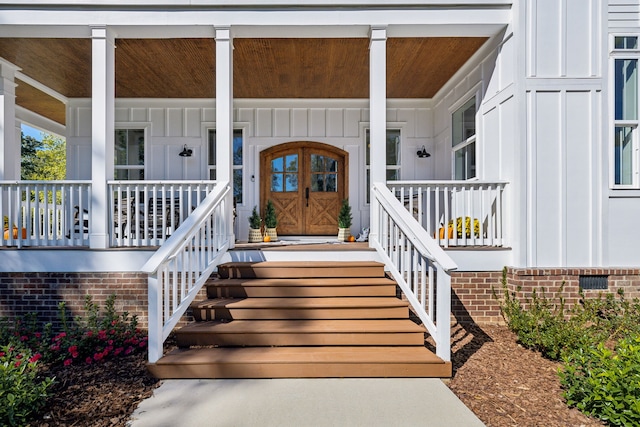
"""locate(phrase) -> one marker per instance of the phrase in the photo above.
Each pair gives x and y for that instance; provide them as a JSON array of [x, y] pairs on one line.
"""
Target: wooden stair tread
[[303, 326], [300, 303], [301, 281], [305, 264], [317, 355]]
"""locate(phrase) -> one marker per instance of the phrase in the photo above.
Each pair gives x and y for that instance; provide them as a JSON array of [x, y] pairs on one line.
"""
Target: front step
[[300, 308], [298, 269], [301, 287], [301, 320], [243, 333], [301, 362]]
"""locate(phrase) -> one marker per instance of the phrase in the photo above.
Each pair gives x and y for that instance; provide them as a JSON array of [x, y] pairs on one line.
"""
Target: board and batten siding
[[565, 98], [171, 124]]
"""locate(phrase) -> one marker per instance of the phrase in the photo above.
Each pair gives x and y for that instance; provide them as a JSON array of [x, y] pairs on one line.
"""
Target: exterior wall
[[41, 293], [565, 98], [472, 297], [474, 294], [171, 124], [623, 14], [622, 206]]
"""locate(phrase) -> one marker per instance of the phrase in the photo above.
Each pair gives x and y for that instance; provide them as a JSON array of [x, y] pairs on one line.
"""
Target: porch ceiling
[[263, 68]]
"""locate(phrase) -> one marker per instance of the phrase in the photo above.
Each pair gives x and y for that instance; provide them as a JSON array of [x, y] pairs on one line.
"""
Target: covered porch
[[186, 86]]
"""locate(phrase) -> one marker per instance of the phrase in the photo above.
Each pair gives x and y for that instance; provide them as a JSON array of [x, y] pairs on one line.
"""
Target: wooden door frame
[[298, 145]]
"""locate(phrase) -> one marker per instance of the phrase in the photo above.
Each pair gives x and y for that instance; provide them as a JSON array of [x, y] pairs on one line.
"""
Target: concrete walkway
[[393, 402]]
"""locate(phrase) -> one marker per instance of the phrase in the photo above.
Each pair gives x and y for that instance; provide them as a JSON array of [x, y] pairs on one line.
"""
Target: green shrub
[[605, 383], [22, 392], [94, 337], [600, 382], [545, 325]]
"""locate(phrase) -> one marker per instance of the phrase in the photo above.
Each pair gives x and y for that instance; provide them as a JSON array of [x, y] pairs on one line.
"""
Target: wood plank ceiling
[[263, 68]]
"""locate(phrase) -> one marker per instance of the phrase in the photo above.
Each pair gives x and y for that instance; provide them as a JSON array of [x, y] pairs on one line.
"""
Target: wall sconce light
[[422, 153], [186, 152]]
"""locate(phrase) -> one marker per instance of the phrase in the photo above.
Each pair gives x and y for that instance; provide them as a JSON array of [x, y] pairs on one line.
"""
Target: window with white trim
[[392, 157], [625, 111], [129, 154], [463, 140], [238, 142]]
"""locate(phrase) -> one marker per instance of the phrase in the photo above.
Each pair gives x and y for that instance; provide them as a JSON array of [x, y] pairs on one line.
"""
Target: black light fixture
[[186, 152], [422, 153]]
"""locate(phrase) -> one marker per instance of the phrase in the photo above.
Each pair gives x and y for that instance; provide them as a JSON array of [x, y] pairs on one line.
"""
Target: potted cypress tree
[[344, 221], [270, 221], [255, 221]]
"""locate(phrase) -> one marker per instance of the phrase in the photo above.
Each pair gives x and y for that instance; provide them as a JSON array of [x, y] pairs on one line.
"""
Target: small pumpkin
[[266, 238], [351, 238]]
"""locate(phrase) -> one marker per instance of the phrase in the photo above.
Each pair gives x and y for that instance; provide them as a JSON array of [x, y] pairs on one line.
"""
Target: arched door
[[306, 181]]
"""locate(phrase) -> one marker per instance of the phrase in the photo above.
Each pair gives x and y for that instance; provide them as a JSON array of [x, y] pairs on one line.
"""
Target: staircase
[[301, 320]]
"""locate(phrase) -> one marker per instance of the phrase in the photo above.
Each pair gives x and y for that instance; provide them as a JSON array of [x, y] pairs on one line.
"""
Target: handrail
[[145, 213], [45, 213], [181, 266], [457, 213], [418, 264]]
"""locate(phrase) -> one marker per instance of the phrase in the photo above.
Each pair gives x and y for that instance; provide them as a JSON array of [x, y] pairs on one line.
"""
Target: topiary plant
[[345, 217], [254, 219], [270, 220]]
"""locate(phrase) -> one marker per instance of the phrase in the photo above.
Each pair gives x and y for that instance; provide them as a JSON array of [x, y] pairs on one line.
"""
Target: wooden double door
[[306, 181]]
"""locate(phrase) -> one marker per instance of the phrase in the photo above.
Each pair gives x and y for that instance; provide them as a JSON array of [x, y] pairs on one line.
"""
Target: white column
[[378, 117], [224, 118], [9, 141], [102, 131]]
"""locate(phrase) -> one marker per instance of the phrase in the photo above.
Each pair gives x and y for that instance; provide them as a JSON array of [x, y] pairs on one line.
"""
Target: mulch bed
[[501, 382], [507, 385]]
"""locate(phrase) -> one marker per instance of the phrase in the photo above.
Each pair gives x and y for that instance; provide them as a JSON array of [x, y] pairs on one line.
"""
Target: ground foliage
[[598, 342]]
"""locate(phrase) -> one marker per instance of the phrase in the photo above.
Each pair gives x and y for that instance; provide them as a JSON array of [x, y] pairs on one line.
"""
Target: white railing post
[[155, 319], [443, 314]]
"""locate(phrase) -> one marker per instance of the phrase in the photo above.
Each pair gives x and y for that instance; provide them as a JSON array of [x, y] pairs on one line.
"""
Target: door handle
[[306, 195]]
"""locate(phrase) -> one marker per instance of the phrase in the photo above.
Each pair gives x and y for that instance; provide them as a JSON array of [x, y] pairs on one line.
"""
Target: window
[[625, 109], [129, 154], [463, 140], [392, 157], [237, 161], [284, 174]]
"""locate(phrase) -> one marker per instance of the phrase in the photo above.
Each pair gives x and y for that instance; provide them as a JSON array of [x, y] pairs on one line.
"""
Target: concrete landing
[[304, 402]]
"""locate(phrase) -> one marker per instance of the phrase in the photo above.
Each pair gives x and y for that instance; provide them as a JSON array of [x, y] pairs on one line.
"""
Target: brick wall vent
[[596, 282]]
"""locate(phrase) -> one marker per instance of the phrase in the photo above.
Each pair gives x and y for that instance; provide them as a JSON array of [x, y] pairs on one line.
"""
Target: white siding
[[624, 14], [172, 124], [561, 34]]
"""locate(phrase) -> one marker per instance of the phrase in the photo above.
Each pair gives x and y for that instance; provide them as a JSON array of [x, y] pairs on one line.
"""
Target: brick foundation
[[473, 292], [23, 293]]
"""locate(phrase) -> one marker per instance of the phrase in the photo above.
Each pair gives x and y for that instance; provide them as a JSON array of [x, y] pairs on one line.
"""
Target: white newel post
[[102, 132], [378, 119], [9, 140], [224, 120]]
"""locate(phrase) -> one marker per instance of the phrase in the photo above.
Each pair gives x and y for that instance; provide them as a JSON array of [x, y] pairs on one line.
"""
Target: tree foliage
[[43, 160]]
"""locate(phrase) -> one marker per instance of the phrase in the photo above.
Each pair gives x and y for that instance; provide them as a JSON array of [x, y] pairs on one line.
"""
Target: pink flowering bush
[[92, 338], [96, 337], [22, 391]]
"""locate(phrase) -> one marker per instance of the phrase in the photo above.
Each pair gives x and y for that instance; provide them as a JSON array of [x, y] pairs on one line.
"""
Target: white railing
[[181, 266], [417, 263], [145, 213], [456, 213], [45, 213]]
